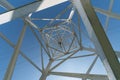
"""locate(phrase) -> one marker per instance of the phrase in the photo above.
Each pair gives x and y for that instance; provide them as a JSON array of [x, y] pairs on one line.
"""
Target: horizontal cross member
[[79, 75], [27, 9]]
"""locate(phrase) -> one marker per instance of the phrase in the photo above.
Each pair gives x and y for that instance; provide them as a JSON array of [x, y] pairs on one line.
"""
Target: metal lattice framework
[[62, 38]]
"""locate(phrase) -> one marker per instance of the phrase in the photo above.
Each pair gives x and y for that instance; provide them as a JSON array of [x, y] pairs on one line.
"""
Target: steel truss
[[62, 40]]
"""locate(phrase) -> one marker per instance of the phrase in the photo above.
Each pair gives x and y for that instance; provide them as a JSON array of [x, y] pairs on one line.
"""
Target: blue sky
[[24, 70]]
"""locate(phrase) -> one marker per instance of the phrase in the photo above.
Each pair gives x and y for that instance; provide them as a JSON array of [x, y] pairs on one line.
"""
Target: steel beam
[[47, 19], [46, 71], [99, 38], [27, 9], [93, 50], [8, 6], [5, 4], [91, 67], [71, 14], [22, 54], [39, 40], [78, 75], [64, 60], [108, 13], [13, 60], [108, 18]]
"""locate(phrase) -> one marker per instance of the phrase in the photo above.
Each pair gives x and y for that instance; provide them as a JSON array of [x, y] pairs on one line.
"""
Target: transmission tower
[[75, 33]]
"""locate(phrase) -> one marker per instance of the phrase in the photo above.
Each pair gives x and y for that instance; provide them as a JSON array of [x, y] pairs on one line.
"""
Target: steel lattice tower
[[63, 39]]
